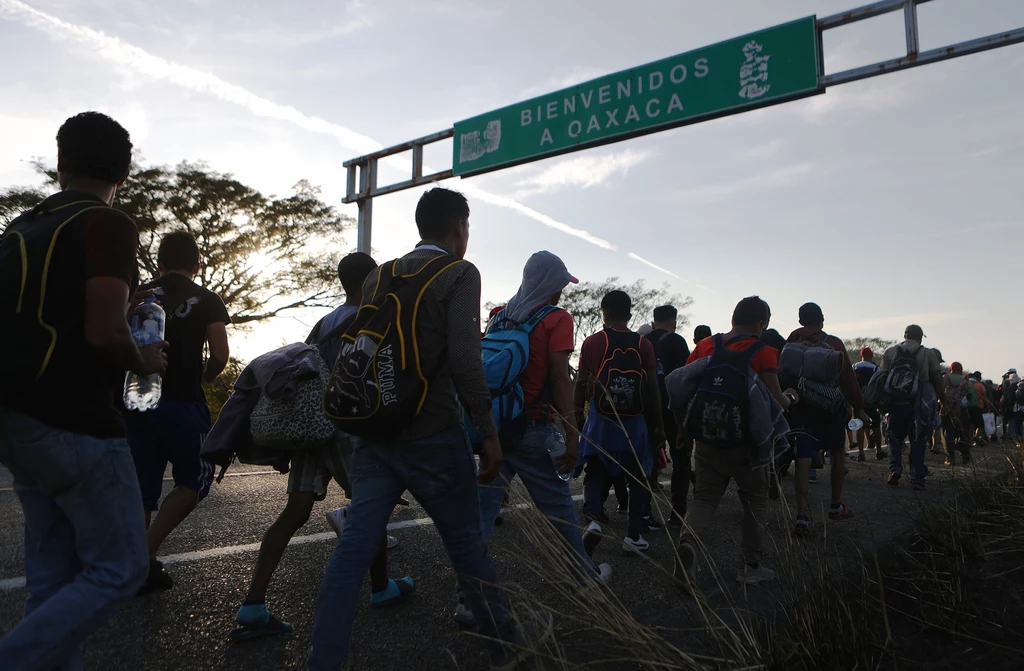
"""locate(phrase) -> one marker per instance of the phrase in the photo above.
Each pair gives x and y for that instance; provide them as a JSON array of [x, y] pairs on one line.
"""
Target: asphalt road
[[213, 552]]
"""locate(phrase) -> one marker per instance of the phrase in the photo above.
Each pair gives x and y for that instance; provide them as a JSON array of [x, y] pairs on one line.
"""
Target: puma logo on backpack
[[380, 380], [621, 381]]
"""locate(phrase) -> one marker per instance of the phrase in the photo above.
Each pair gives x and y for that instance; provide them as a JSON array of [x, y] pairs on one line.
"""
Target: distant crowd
[[400, 390]]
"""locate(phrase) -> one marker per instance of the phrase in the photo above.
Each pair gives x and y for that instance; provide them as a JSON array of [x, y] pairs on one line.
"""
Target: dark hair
[[178, 251], [773, 338], [701, 332], [750, 311], [617, 305], [353, 271], [93, 145], [811, 315], [665, 313], [438, 210]]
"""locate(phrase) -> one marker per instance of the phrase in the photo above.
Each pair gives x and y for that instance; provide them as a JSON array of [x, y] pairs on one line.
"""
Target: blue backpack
[[506, 351]]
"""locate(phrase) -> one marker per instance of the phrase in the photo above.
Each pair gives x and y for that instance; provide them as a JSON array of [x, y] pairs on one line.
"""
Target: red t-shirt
[[765, 361], [554, 333], [593, 351]]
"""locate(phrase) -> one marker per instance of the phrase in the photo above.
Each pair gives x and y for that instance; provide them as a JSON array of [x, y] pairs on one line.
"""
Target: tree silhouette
[[262, 255]]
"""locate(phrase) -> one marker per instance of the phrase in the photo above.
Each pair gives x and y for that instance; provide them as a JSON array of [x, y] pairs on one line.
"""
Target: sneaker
[[751, 576], [652, 522], [591, 538], [630, 546], [917, 486], [881, 455], [604, 573], [392, 542], [840, 512], [675, 520], [464, 617], [802, 527], [158, 578], [686, 565], [337, 519], [894, 480], [533, 629]]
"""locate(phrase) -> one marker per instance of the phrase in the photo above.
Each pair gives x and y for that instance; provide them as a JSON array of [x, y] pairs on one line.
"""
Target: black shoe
[[894, 480], [675, 520], [499, 520], [591, 537], [652, 523], [158, 578]]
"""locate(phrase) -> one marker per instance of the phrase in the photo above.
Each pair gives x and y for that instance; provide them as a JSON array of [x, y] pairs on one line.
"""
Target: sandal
[[272, 627], [395, 593]]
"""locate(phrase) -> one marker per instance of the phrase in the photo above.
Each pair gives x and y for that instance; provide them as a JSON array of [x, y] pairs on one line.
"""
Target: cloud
[[765, 150], [133, 58], [870, 98], [583, 171], [768, 179], [571, 76]]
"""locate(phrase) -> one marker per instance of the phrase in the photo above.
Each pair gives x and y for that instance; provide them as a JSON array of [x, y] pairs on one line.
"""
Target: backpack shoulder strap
[[339, 329], [538, 316]]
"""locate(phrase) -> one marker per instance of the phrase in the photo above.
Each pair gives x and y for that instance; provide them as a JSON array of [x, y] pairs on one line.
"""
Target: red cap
[[866, 353], [956, 367]]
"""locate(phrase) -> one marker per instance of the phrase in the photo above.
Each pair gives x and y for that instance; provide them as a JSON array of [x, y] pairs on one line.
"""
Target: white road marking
[[211, 553], [226, 475]]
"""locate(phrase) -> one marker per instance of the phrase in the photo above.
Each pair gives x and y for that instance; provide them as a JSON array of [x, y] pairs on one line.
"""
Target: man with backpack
[[409, 363], [907, 367], [619, 405], [174, 431], [725, 449], [817, 365], [311, 470], [533, 405], [956, 422], [671, 352], [68, 269]]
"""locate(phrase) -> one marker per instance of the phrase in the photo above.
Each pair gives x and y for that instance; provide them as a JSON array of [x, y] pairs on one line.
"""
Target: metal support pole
[[367, 183], [910, 21]]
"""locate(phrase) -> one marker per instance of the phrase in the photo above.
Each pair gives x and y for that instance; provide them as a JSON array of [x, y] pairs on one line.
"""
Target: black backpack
[[621, 381], [381, 378], [903, 379], [719, 413], [32, 316]]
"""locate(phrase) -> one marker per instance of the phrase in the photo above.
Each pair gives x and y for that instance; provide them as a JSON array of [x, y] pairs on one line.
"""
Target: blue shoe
[[257, 622], [395, 593]]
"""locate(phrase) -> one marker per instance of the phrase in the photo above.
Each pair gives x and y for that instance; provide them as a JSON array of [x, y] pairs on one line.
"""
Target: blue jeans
[[552, 496], [441, 473], [903, 425], [85, 538]]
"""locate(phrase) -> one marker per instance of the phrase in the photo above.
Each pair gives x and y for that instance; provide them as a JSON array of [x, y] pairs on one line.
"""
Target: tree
[[218, 391], [877, 345], [583, 301], [262, 254]]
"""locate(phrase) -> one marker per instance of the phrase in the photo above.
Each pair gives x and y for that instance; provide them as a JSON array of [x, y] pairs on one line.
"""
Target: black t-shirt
[[670, 348], [190, 309], [71, 237]]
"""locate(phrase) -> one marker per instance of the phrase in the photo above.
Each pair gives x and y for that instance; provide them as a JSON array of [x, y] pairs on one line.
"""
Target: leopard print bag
[[297, 422]]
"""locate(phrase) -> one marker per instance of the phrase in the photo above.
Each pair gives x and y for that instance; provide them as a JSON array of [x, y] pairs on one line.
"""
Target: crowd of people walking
[[400, 390]]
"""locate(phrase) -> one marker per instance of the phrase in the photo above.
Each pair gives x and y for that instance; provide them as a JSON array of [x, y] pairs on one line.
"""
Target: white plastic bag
[[990, 423]]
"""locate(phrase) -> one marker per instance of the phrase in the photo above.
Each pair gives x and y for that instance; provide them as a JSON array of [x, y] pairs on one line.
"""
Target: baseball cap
[[1012, 371], [938, 353], [914, 332], [956, 367], [866, 353]]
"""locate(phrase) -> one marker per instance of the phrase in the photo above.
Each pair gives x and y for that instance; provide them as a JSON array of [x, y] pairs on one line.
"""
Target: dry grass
[[952, 585]]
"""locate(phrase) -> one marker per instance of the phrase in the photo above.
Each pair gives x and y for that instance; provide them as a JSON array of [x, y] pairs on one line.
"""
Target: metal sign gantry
[[362, 171]]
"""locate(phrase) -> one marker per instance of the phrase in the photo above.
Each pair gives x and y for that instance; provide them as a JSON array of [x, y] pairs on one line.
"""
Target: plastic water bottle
[[855, 424], [142, 392], [556, 448]]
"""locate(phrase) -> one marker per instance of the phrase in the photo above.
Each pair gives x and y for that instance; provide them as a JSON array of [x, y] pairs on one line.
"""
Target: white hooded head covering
[[543, 276]]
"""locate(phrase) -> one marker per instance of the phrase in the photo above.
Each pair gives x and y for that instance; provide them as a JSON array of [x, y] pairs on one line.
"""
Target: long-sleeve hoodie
[[847, 377]]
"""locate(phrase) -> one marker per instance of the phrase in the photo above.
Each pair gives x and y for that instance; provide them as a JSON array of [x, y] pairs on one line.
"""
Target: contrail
[[124, 54], [637, 257]]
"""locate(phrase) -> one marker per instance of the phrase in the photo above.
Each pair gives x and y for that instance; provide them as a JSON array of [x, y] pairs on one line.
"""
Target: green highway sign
[[763, 68]]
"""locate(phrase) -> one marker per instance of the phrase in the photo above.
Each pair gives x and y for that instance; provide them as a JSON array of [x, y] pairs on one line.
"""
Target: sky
[[890, 201]]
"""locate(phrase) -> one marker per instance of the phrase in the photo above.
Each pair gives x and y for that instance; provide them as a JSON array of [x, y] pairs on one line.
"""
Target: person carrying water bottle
[[173, 429], [544, 451]]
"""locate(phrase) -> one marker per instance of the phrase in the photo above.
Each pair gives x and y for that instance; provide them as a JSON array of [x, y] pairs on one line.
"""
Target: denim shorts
[[812, 434], [172, 432]]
